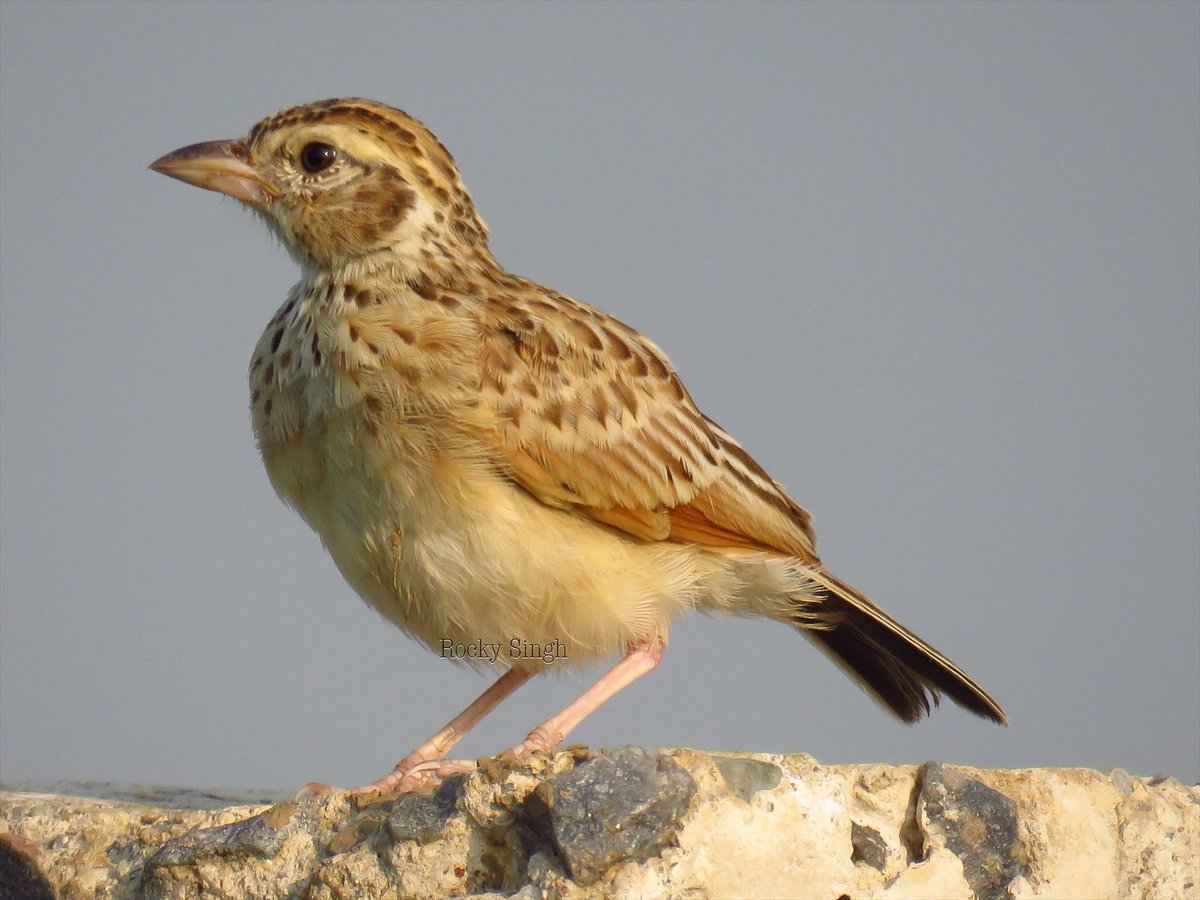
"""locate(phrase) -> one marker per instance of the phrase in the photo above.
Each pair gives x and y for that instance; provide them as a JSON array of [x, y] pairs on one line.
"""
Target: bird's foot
[[540, 740], [419, 777], [317, 789], [409, 776]]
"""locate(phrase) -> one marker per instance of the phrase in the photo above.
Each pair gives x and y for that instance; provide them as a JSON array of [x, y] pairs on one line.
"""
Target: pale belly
[[453, 553]]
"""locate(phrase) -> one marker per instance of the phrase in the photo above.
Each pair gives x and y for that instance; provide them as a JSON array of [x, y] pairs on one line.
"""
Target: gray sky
[[935, 266]]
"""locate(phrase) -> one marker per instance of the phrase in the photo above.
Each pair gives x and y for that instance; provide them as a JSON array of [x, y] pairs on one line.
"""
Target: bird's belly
[[453, 553]]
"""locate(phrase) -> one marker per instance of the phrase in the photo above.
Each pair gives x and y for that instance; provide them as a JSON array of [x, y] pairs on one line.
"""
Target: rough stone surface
[[628, 822]]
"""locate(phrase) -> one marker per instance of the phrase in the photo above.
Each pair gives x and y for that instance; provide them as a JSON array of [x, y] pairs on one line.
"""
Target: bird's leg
[[642, 658], [427, 763]]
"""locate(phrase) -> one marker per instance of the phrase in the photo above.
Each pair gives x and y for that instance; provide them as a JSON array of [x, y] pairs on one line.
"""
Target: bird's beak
[[218, 166]]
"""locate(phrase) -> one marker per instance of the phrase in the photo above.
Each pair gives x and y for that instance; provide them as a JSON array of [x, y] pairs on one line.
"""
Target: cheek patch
[[374, 208], [381, 205]]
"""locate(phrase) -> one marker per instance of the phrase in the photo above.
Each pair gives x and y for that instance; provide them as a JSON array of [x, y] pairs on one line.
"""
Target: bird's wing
[[591, 416]]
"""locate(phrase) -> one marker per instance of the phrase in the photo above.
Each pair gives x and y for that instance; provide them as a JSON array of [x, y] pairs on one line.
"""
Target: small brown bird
[[495, 467]]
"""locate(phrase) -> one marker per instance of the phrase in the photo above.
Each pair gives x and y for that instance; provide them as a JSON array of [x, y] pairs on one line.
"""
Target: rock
[[975, 823], [746, 777], [627, 822], [20, 876], [624, 805], [868, 846]]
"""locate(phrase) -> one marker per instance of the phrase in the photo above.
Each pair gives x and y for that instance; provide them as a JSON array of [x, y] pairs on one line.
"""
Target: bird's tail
[[895, 666]]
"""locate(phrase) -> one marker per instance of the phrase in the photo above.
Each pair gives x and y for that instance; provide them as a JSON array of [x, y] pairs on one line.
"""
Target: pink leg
[[641, 659], [435, 749], [426, 762]]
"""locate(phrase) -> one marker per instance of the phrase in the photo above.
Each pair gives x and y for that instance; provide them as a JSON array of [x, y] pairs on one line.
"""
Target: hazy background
[[936, 266]]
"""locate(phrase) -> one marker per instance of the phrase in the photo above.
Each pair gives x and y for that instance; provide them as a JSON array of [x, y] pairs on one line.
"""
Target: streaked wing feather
[[745, 507], [593, 417]]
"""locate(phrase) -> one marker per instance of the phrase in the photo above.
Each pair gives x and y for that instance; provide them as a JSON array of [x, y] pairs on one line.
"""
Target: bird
[[511, 476]]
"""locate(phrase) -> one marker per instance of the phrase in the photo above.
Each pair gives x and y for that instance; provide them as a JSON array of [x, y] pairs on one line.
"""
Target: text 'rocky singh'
[[515, 649]]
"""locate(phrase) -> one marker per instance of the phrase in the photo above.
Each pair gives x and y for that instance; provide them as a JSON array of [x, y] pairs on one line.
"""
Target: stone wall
[[632, 823]]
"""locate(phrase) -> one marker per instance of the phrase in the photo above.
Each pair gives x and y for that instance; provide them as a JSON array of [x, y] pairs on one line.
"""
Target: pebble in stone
[[868, 846], [978, 824], [624, 804], [20, 877], [423, 817], [746, 777]]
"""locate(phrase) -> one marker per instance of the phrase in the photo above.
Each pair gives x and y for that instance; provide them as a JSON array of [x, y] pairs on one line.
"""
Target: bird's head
[[347, 184]]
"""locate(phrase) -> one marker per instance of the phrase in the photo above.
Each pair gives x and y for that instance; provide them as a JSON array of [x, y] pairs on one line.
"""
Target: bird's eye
[[317, 157]]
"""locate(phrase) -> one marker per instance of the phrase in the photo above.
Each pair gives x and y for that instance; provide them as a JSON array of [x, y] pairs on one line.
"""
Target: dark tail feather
[[902, 671]]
